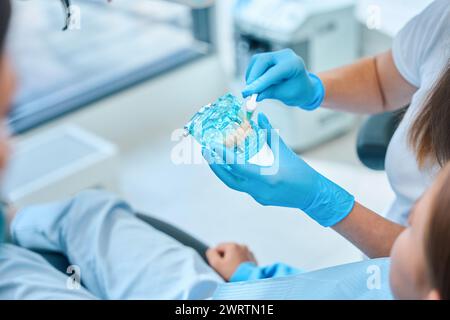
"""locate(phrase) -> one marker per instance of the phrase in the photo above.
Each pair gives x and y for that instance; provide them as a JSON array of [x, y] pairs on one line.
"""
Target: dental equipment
[[250, 106], [225, 124]]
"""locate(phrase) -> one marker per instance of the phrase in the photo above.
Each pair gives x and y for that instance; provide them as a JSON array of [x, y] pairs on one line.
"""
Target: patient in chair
[[119, 256]]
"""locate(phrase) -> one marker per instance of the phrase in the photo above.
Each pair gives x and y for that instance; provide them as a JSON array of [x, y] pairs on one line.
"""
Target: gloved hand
[[282, 75], [295, 184]]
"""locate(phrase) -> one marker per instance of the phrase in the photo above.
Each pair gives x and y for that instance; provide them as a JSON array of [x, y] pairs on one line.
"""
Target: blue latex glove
[[282, 75], [295, 184]]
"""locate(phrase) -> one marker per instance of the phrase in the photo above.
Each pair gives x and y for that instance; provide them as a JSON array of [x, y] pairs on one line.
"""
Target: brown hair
[[5, 14], [430, 132], [437, 239]]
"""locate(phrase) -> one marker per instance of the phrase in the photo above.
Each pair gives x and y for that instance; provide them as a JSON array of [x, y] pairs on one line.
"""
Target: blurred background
[[97, 106]]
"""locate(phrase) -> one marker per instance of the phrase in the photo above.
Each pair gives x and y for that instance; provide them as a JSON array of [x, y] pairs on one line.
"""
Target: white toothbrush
[[251, 105]]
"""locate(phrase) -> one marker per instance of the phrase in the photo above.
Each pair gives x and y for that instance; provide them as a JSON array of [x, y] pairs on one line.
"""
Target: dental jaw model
[[227, 124]]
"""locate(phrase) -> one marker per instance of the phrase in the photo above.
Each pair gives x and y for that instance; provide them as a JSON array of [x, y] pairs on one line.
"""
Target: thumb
[[273, 138], [258, 86], [213, 256], [264, 124]]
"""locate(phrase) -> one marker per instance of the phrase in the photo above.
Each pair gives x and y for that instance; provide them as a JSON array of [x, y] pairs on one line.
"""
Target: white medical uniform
[[421, 51]]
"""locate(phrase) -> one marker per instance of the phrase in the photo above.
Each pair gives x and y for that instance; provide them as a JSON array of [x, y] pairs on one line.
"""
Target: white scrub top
[[421, 51]]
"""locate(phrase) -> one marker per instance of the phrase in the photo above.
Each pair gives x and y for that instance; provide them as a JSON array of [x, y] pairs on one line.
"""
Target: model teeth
[[239, 135]]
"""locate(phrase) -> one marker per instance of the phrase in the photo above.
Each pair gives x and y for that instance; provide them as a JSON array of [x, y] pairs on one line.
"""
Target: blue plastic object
[[216, 126]]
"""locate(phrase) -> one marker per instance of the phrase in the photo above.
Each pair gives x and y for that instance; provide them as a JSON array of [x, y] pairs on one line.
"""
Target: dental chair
[[374, 137]]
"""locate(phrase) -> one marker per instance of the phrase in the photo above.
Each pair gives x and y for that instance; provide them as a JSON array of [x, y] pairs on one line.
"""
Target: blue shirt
[[363, 280], [250, 271]]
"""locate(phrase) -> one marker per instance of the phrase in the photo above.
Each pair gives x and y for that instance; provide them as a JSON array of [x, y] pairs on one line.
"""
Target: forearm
[[370, 85], [353, 88], [371, 233]]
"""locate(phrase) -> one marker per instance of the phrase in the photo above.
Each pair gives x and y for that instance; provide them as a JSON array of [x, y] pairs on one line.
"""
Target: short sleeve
[[418, 38]]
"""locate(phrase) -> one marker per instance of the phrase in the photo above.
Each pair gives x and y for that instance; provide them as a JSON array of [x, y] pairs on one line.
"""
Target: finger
[[269, 93], [250, 65], [226, 154], [212, 253], [219, 155], [263, 121], [213, 256], [221, 252], [246, 171], [225, 245], [207, 154], [264, 124], [220, 248], [223, 171], [227, 177], [223, 248], [261, 63], [271, 77], [273, 138]]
